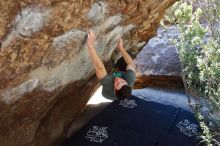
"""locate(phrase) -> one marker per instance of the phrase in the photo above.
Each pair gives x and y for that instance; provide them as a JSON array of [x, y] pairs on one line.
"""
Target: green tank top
[[117, 74]]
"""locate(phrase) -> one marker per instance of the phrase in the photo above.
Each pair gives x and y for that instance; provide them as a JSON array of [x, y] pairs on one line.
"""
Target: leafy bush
[[199, 51], [207, 137], [211, 16], [199, 55]]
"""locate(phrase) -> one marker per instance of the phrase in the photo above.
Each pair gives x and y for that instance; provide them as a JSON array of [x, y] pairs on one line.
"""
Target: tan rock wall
[[46, 74]]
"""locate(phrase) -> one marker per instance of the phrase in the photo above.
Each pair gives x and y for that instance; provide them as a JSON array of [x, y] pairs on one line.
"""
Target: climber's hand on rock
[[91, 39], [120, 44]]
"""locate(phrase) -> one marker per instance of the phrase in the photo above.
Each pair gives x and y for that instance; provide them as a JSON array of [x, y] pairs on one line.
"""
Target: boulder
[[46, 73], [158, 64]]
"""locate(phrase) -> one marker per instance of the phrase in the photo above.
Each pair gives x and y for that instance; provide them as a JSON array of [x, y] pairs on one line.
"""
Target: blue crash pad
[[135, 122]]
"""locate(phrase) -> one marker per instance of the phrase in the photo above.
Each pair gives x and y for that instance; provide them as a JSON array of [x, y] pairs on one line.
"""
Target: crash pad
[[136, 122]]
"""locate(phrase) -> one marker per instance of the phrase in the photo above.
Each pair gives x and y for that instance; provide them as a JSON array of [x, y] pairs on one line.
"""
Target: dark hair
[[124, 92], [121, 63]]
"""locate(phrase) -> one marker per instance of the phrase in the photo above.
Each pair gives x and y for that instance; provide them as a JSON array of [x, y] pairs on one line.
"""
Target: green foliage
[[169, 17], [209, 66], [200, 57], [211, 15], [199, 54], [179, 9], [184, 13], [207, 136]]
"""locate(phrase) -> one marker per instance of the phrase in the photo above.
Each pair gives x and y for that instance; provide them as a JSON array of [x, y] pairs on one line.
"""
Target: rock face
[[46, 74], [159, 56], [158, 64]]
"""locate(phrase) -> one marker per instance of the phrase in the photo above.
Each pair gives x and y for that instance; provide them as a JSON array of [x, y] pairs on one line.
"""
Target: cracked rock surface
[[158, 64], [46, 73]]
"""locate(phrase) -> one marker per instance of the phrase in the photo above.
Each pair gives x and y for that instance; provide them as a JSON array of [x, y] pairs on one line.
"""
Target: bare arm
[[126, 56], [96, 61]]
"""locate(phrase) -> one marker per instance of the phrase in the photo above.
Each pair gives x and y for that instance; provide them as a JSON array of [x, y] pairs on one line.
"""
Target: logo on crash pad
[[188, 128], [126, 103], [97, 134]]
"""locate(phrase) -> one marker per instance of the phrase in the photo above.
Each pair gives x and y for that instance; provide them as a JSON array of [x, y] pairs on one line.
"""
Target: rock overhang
[[44, 58]]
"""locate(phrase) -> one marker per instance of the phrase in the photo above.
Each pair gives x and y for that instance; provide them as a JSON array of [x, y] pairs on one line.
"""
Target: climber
[[119, 83]]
